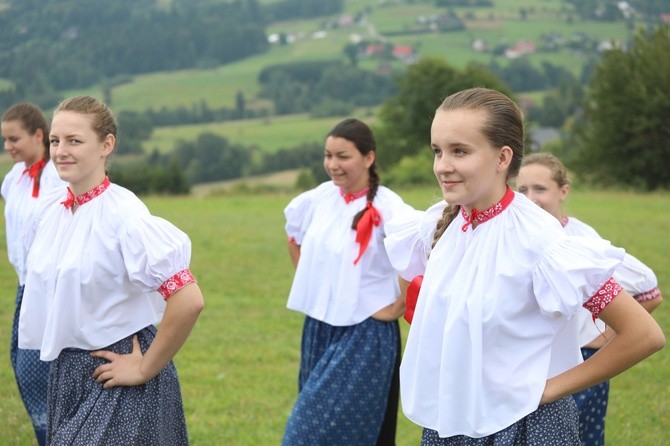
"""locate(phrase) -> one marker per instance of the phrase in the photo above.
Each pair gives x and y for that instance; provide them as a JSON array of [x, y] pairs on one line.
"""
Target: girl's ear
[[505, 158], [369, 158], [108, 145]]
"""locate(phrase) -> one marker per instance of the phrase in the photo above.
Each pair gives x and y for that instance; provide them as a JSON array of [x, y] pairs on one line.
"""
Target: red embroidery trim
[[349, 197], [603, 296], [483, 216], [648, 295], [292, 240], [176, 283], [87, 196]]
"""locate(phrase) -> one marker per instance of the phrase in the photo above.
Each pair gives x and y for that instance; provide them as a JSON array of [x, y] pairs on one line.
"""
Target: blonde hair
[[558, 171]]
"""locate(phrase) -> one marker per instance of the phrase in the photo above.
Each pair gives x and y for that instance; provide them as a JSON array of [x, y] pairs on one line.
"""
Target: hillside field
[[239, 368]]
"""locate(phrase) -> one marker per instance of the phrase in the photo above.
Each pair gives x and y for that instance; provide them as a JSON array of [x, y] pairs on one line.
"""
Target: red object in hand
[[412, 297]]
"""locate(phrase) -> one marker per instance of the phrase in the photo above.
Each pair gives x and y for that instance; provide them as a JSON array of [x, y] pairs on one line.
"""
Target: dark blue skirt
[[553, 424], [81, 412], [592, 406], [344, 383], [32, 376]]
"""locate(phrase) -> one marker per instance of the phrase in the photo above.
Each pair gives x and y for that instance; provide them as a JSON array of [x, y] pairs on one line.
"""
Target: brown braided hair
[[32, 119], [361, 136], [504, 127]]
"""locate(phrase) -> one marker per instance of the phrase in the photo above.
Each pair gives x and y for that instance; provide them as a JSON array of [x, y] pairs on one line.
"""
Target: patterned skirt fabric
[[32, 377], [592, 406], [553, 424], [344, 382], [81, 412]]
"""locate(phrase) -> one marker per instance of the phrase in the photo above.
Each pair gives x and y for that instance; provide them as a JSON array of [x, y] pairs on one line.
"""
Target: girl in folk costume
[[347, 289], [101, 272], [25, 133], [543, 178], [492, 356]]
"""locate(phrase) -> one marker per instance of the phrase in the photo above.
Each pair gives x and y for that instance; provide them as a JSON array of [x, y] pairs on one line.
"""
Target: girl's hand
[[121, 370]]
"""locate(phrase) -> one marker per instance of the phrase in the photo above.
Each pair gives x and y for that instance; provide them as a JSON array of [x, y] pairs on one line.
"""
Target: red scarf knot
[[70, 199], [33, 171], [364, 227], [469, 218]]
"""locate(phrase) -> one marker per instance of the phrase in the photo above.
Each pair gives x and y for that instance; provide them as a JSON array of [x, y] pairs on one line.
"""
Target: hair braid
[[448, 215]]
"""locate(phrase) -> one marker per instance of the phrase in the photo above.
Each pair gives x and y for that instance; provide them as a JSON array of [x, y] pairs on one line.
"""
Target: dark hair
[[358, 133], [102, 119], [558, 171], [503, 127], [32, 119]]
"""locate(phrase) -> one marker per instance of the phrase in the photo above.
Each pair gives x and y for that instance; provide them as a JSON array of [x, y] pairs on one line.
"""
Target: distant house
[[345, 20], [373, 50], [519, 49], [404, 53], [479, 46], [665, 18]]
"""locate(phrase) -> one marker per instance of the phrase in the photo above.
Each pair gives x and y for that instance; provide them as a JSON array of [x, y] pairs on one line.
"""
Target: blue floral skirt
[[553, 424], [344, 383], [82, 412], [592, 406], [32, 376]]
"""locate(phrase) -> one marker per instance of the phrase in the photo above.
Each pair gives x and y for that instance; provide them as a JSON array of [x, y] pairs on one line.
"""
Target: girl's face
[[21, 145], [536, 182], [77, 152], [471, 172], [346, 166]]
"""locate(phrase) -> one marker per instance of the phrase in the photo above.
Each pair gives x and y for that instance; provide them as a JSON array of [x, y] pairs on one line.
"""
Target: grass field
[[239, 368]]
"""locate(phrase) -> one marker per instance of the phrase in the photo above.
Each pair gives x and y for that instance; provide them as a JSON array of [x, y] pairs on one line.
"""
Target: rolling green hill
[[501, 25]]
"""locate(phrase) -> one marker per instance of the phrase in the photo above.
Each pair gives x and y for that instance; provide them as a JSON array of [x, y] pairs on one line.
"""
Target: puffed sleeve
[[298, 215], [637, 279], [576, 272], [409, 239], [156, 254]]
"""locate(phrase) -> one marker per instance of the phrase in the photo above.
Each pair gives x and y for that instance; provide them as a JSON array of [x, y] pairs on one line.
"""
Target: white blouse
[[634, 276], [17, 189], [327, 285], [491, 323], [93, 276]]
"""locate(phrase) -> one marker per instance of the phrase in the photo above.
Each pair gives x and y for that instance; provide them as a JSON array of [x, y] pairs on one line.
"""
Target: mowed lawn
[[239, 367]]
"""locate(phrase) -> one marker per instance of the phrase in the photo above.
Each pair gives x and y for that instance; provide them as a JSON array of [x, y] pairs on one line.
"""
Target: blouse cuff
[[648, 295], [603, 297], [176, 283]]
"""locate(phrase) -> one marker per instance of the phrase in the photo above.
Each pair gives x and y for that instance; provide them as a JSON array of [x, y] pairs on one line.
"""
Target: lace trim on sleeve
[[648, 295], [176, 283], [603, 297]]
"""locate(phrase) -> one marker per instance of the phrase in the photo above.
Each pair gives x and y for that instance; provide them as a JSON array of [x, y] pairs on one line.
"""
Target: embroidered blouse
[[17, 191], [327, 285], [633, 275], [100, 274], [492, 320]]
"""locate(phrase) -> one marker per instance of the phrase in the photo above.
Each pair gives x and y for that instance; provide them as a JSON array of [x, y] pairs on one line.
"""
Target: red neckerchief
[[482, 216], [32, 172], [349, 197], [370, 218], [85, 197]]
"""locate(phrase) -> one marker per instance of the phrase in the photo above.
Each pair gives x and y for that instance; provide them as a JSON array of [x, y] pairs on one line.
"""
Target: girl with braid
[[347, 288], [25, 133], [492, 355]]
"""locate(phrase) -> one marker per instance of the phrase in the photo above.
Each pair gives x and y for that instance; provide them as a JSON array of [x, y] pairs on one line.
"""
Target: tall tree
[[625, 136], [406, 118]]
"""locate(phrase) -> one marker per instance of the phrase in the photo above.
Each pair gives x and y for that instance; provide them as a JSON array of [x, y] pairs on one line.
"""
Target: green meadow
[[239, 368]]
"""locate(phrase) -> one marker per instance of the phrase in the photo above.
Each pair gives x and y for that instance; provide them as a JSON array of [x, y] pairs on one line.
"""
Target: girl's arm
[[637, 337], [181, 312], [294, 252]]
